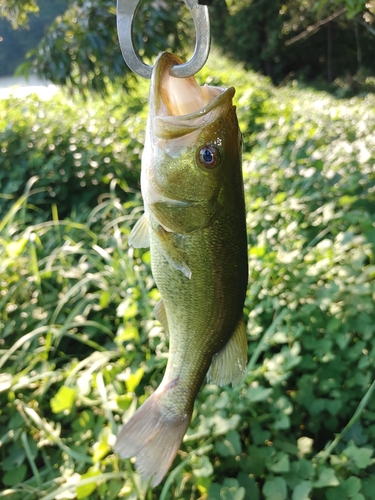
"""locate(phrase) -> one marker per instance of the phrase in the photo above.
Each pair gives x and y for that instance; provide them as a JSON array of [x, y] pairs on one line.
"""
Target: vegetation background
[[79, 346]]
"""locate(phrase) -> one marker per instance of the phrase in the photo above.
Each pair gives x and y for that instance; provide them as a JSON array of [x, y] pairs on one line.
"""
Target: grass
[[68, 281]]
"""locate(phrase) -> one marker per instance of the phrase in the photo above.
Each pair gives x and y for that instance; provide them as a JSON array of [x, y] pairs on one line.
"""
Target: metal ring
[[126, 12]]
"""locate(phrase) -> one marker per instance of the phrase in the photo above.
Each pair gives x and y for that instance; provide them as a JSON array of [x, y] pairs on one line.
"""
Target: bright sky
[[20, 87]]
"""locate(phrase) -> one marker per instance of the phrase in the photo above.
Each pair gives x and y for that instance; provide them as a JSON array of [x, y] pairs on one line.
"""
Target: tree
[[303, 38], [307, 38], [81, 48], [15, 45], [17, 11]]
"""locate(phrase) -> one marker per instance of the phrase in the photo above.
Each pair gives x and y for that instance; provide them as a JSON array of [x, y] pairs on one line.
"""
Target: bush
[[74, 148], [80, 349]]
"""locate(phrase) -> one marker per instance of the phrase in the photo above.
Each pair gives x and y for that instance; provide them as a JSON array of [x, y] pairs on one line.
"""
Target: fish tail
[[154, 437]]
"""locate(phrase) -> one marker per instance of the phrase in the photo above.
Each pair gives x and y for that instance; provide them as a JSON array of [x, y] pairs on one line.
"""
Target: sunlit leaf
[[255, 394], [327, 477], [203, 468], [302, 490], [83, 491], [362, 457], [63, 400], [133, 379]]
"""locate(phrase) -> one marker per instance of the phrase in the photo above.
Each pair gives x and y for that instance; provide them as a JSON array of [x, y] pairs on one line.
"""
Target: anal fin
[[229, 364], [161, 315]]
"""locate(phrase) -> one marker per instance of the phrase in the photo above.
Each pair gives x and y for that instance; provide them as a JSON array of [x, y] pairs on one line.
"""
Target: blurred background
[[80, 348], [325, 43]]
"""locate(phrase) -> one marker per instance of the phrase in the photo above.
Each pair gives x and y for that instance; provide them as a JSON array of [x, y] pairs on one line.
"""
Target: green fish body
[[195, 225]]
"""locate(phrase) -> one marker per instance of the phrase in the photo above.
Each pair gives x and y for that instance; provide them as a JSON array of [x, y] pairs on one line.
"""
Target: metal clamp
[[126, 12]]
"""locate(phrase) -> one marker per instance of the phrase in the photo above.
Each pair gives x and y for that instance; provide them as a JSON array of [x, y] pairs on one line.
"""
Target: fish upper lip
[[162, 64]]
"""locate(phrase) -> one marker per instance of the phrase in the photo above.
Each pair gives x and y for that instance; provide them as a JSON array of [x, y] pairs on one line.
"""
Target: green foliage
[[80, 349], [15, 44], [296, 39], [320, 41], [81, 48], [76, 150], [17, 11]]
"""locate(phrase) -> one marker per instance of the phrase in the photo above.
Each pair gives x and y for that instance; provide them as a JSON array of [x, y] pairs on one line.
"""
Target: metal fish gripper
[[126, 12]]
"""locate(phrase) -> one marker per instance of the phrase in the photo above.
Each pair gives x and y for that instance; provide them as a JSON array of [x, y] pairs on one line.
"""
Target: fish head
[[193, 143]]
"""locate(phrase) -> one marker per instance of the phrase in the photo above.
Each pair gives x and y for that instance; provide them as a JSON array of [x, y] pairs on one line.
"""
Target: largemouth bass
[[194, 223]]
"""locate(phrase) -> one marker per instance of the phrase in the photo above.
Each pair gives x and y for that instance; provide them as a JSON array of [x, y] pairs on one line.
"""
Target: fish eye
[[208, 156]]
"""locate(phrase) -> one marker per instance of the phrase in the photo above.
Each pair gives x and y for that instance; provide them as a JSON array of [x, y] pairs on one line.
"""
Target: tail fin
[[153, 438]]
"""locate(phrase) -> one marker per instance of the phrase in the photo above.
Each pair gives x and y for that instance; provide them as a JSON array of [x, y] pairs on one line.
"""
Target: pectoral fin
[[229, 364], [171, 253], [140, 235], [161, 315]]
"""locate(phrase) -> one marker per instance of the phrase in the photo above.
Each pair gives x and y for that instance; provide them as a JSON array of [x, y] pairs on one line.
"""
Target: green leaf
[[113, 490], [230, 445], [133, 379], [15, 476], [326, 478], [104, 299], [347, 200], [83, 421], [258, 434], [203, 467], [280, 197], [101, 447], [256, 394], [224, 425], [231, 490], [63, 400], [124, 401], [127, 333], [352, 486], [302, 490], [360, 456], [275, 489], [85, 490], [368, 486], [214, 491], [15, 248], [338, 493], [127, 309], [280, 463], [250, 485], [237, 494], [16, 457]]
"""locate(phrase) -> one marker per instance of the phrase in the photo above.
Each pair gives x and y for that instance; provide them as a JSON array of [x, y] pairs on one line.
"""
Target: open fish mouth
[[180, 105]]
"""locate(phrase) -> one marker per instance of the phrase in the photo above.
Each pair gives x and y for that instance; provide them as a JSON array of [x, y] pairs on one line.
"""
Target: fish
[[194, 222]]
